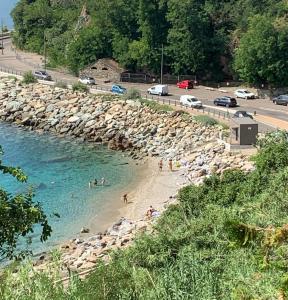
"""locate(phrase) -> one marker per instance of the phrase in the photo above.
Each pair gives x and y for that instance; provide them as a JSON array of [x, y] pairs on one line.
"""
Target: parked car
[[42, 75], [242, 114], [225, 101], [87, 80], [159, 89], [245, 94], [190, 101], [185, 84], [118, 89], [281, 100]]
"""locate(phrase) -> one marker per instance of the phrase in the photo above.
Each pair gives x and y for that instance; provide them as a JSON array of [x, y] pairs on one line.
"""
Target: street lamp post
[[2, 37], [162, 62], [45, 52]]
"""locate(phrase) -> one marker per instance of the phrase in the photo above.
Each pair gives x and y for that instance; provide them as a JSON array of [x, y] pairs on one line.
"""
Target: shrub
[[154, 105], [78, 86], [132, 94], [206, 120], [28, 77], [12, 78], [61, 84]]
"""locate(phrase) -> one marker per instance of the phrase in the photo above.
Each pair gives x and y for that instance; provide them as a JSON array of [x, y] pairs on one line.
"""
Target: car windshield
[[246, 92], [90, 78]]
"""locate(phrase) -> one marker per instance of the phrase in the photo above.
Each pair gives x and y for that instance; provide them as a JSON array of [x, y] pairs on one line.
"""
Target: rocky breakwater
[[102, 118]]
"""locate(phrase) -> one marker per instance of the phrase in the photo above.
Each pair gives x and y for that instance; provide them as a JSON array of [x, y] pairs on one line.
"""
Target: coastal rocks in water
[[123, 125]]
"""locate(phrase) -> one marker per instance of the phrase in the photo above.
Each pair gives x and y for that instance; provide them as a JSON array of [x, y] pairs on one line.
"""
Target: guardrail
[[220, 114], [11, 71]]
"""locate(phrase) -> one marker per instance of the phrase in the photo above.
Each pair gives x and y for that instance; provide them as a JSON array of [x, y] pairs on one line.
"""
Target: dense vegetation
[[211, 39], [18, 215], [225, 239]]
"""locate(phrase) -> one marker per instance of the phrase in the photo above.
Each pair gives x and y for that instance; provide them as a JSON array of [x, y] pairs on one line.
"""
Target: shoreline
[[143, 134]]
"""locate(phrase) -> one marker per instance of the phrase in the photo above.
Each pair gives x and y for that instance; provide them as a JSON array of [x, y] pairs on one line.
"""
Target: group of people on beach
[[170, 164], [94, 183]]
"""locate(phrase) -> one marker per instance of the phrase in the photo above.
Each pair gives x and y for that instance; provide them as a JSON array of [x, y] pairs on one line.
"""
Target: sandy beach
[[154, 188]]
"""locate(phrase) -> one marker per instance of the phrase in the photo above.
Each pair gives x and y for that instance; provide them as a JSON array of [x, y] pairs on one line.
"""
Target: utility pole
[[162, 61], [2, 35], [45, 52]]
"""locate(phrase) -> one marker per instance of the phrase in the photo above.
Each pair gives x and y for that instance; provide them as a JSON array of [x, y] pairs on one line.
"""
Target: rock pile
[[121, 124]]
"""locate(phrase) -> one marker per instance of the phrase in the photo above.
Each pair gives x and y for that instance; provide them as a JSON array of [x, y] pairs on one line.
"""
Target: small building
[[106, 69], [244, 131]]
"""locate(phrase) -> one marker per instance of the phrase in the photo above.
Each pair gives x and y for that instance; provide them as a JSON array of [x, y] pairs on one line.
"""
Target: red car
[[185, 84]]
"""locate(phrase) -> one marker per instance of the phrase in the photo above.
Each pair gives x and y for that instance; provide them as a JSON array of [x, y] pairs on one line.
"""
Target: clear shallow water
[[61, 169], [5, 8]]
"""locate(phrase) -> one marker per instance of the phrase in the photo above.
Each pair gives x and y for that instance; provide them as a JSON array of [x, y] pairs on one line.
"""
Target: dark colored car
[[242, 114], [42, 75], [185, 84], [225, 101], [281, 100]]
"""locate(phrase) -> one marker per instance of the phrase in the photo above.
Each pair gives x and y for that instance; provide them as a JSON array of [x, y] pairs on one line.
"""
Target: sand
[[154, 188]]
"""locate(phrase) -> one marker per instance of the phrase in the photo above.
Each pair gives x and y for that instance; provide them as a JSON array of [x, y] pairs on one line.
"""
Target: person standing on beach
[[160, 164], [125, 198], [170, 164]]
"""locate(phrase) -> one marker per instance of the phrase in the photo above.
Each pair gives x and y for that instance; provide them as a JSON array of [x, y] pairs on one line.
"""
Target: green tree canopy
[[262, 56], [18, 215]]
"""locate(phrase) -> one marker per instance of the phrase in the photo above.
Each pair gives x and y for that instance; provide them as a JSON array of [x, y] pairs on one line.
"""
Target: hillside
[[224, 239], [210, 39]]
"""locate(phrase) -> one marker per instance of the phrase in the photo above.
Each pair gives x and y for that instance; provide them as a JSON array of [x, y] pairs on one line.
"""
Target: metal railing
[[220, 114]]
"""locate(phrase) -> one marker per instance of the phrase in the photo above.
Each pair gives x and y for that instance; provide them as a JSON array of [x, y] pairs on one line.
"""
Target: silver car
[[42, 75], [87, 80]]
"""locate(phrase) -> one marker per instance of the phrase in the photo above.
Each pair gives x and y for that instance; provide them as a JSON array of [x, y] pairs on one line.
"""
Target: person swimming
[[103, 181], [93, 183]]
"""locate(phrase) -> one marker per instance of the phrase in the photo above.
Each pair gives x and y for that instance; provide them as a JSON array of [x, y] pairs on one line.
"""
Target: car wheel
[[215, 103], [160, 94], [227, 105]]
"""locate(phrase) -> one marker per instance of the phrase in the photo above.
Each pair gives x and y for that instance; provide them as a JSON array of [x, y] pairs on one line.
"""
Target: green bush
[[61, 84], [225, 239], [154, 105], [28, 77], [206, 120], [12, 78], [132, 94], [78, 86]]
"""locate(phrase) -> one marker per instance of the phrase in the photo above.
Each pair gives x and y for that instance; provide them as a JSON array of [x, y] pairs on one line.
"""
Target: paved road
[[22, 61]]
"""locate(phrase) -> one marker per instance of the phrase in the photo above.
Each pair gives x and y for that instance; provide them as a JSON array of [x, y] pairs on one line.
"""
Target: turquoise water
[[60, 170], [5, 8]]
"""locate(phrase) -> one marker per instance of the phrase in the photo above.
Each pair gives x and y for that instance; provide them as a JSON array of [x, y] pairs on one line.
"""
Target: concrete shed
[[244, 131]]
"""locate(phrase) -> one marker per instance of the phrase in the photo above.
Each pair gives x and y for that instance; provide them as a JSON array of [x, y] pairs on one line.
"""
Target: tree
[[18, 215], [91, 44], [262, 56], [189, 37]]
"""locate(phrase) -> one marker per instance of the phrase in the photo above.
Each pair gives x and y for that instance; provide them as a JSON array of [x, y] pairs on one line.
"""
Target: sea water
[[6, 7], [59, 170]]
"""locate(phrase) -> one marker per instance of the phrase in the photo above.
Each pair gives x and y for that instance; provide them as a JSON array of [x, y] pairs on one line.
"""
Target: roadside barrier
[[220, 114]]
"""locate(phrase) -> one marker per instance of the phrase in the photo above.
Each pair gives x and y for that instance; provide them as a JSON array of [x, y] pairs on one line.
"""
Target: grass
[[206, 120], [78, 86], [132, 94], [61, 84], [226, 239], [28, 77], [154, 105]]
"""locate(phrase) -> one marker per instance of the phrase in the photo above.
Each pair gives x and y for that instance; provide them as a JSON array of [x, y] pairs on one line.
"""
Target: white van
[[190, 101], [159, 89]]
